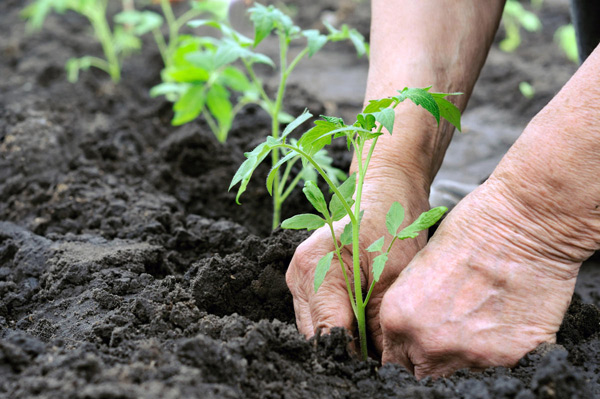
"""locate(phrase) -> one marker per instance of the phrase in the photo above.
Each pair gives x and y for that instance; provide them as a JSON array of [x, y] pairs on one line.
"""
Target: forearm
[[422, 43], [554, 167]]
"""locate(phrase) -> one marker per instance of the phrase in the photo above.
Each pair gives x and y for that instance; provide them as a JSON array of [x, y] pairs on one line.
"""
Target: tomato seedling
[[346, 198], [116, 43], [207, 73]]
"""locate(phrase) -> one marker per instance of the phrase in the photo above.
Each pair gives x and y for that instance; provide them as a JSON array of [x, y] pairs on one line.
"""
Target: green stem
[[172, 24], [257, 82], [331, 185], [97, 17], [186, 17], [291, 187], [344, 272], [213, 125], [162, 47]]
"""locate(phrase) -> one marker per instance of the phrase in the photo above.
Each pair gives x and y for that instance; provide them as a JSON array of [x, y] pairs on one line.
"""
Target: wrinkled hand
[[330, 306], [488, 288]]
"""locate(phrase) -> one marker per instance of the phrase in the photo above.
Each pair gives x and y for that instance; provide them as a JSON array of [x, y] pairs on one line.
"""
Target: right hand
[[330, 306]]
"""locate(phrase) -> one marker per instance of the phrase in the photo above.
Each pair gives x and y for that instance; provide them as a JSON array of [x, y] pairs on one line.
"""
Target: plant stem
[[172, 24], [283, 47], [341, 261], [97, 17], [331, 185]]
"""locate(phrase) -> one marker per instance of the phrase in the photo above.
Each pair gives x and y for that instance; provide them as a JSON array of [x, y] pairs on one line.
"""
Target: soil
[[128, 271]]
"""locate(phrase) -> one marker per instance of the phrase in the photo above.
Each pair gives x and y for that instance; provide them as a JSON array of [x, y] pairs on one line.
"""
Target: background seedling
[[116, 43], [346, 199], [208, 72]]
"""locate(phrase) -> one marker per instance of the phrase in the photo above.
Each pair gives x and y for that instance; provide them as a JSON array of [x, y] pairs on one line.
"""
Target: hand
[[330, 306], [488, 288]]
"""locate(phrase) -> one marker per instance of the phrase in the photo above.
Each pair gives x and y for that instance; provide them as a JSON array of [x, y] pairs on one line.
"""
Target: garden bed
[[128, 271]]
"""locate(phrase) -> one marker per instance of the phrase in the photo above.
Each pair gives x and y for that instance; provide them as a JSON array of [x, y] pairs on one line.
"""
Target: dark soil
[[128, 271]]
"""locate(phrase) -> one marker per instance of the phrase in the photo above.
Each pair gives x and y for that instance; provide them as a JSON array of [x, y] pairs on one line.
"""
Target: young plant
[[346, 199], [207, 73], [116, 43], [514, 17], [144, 21]]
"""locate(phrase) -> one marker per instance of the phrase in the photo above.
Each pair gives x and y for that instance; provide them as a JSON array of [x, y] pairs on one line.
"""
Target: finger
[[396, 351], [330, 306], [303, 318]]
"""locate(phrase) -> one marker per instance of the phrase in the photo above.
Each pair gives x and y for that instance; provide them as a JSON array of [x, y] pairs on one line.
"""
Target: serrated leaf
[[235, 79], [420, 97], [219, 8], [315, 40], [315, 197], [448, 111], [315, 139], [379, 265], [347, 189], [322, 268], [423, 222], [227, 52], [377, 105], [141, 21], [394, 218], [346, 236], [189, 105], [265, 19], [303, 117], [377, 245], [385, 117], [164, 89], [358, 40], [244, 173], [366, 121], [339, 122], [306, 221]]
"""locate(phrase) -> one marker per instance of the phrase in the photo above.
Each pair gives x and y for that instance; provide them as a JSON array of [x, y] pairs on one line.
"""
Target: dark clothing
[[586, 20]]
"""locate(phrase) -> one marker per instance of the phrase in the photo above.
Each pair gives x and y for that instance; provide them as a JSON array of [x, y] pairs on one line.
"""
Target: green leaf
[[322, 268], [235, 79], [448, 111], [386, 118], [227, 52], [346, 236], [358, 40], [204, 60], [263, 22], [217, 101], [303, 117], [315, 139], [366, 121], [347, 190], [379, 265], [420, 97], [315, 40], [315, 196], [164, 89], [345, 33], [394, 218], [377, 105], [423, 222], [141, 21], [306, 221], [219, 8], [376, 246], [189, 105], [244, 173]]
